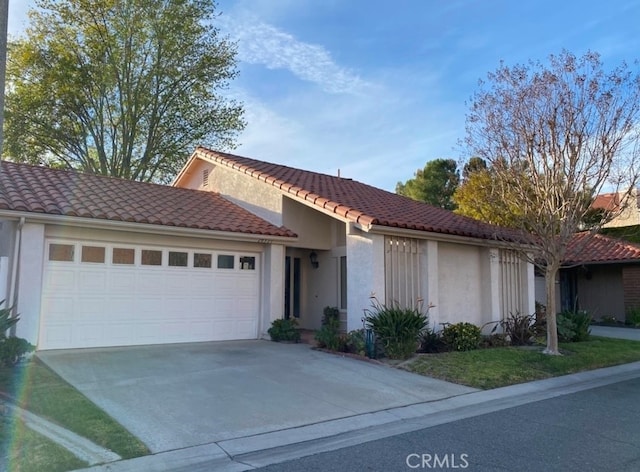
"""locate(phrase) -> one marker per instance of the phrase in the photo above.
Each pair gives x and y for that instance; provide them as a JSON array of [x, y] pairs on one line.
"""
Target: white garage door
[[116, 295]]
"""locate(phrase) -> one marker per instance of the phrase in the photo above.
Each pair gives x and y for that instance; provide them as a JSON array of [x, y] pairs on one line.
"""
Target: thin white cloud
[[262, 43]]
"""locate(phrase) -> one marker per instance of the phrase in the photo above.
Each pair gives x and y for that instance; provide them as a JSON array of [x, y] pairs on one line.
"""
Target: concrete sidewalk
[[617, 333], [251, 452]]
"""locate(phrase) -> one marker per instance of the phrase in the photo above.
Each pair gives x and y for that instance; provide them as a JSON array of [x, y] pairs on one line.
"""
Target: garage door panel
[[60, 280], [90, 334], [58, 308], [104, 304], [92, 280], [118, 333], [201, 307], [121, 309], [122, 281], [200, 284], [243, 304], [58, 335], [225, 283], [150, 281]]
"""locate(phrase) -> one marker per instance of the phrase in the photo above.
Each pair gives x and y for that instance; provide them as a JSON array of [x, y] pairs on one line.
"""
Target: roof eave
[[184, 169], [76, 221], [442, 237], [572, 264]]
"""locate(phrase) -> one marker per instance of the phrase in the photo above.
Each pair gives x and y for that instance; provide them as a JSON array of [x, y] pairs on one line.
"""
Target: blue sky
[[376, 89]]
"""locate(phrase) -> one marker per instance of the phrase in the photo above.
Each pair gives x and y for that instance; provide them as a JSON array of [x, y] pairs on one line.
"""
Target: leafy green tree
[[124, 88], [435, 184], [474, 164], [480, 198], [555, 135]]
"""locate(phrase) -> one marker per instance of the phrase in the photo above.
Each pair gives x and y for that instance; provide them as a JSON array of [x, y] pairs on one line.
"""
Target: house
[[232, 245], [600, 275], [613, 202]]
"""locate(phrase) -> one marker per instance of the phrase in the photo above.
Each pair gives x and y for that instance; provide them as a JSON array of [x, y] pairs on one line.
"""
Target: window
[[178, 259], [123, 255], [343, 282], [225, 261], [92, 254], [248, 263], [151, 257], [61, 252], [202, 260]]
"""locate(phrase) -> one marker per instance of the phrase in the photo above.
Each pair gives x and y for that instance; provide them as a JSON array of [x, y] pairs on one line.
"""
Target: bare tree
[[556, 135]]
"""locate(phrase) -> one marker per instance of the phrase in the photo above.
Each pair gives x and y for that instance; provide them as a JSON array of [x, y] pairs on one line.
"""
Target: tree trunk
[[552, 329]]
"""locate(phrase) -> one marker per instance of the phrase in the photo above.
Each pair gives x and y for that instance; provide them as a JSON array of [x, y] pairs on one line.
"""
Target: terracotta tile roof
[[600, 248], [33, 189], [358, 202], [607, 202]]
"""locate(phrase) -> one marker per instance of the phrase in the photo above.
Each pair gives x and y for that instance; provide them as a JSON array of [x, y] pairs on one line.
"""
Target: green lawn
[[492, 368], [24, 450], [39, 390]]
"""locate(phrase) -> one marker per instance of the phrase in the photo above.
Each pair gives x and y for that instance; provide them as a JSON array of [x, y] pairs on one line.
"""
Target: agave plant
[[397, 328], [6, 320]]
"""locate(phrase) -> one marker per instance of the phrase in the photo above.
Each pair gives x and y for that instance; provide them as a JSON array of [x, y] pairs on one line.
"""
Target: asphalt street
[[592, 430]]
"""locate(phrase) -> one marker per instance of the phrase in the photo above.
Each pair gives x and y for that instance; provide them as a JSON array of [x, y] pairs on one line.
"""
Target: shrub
[[462, 336], [608, 320], [633, 317], [13, 350], [431, 341], [396, 328], [573, 326], [356, 342], [329, 336], [330, 313], [284, 330], [495, 340], [519, 328]]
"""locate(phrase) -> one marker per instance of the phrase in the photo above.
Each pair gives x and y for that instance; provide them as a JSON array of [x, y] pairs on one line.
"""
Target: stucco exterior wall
[[460, 284], [30, 281], [365, 274], [7, 239], [259, 198], [272, 302], [314, 229], [629, 216]]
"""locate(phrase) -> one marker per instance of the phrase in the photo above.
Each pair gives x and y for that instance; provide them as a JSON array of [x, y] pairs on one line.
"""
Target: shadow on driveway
[[180, 395]]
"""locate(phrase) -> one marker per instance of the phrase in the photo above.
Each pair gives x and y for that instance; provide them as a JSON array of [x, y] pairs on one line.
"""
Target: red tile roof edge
[[18, 196], [314, 198], [353, 214], [600, 249]]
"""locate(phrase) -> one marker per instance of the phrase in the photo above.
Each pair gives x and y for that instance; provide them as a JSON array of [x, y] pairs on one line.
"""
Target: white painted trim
[[442, 237]]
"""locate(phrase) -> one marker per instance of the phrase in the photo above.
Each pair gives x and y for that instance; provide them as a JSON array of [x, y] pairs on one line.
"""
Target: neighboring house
[[629, 216], [600, 275], [95, 261]]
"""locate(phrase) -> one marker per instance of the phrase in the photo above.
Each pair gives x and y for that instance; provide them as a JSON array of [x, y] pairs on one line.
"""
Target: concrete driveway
[[176, 396]]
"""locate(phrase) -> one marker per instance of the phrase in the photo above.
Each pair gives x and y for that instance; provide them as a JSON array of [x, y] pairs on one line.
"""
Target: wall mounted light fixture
[[313, 257]]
